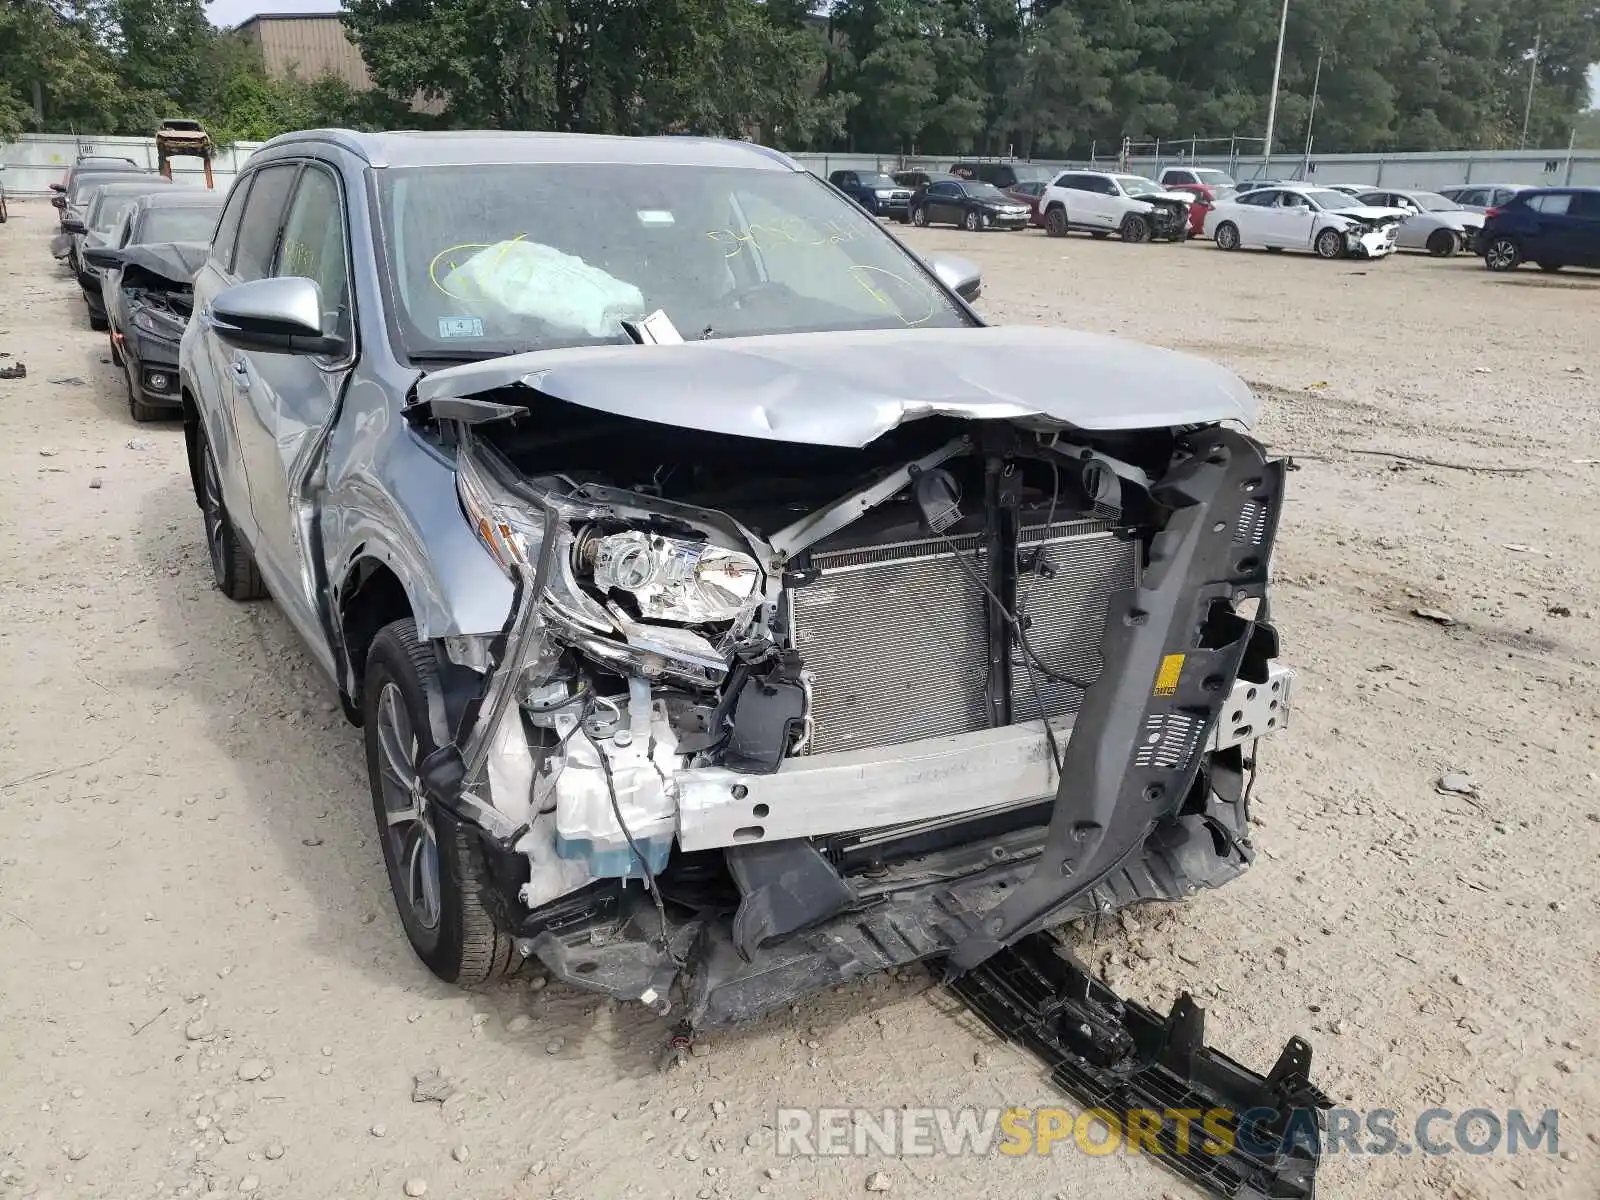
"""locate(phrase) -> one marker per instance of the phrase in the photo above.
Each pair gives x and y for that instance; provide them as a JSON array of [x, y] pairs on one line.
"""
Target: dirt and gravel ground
[[203, 986]]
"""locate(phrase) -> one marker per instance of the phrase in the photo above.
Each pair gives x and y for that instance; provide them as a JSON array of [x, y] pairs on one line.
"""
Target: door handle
[[241, 375]]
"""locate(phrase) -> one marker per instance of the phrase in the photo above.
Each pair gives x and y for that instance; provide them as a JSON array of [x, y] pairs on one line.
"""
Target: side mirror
[[58, 201], [960, 275], [74, 225], [279, 316], [58, 187], [107, 258]]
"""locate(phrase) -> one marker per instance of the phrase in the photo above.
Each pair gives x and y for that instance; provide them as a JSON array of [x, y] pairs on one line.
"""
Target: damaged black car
[[728, 610]]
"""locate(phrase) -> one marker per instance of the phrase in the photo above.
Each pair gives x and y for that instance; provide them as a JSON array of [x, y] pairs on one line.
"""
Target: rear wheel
[[1441, 243], [231, 565], [1134, 228], [435, 865], [1055, 222], [98, 322], [1502, 254], [1227, 236], [137, 408], [1330, 244]]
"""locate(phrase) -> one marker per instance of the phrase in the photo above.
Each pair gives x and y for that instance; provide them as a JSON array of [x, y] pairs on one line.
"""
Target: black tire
[[972, 222], [1329, 244], [4, 214], [1134, 228], [234, 570], [137, 408], [451, 930], [1502, 253], [1055, 222], [919, 216], [1442, 243], [1227, 236], [98, 322], [1551, 267]]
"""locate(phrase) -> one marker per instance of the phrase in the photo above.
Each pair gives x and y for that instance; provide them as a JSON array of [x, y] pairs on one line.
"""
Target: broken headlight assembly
[[158, 324], [669, 578]]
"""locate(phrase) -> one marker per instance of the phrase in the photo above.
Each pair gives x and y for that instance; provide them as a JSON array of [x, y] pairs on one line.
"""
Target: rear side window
[[262, 214], [228, 227], [1585, 204], [1551, 203]]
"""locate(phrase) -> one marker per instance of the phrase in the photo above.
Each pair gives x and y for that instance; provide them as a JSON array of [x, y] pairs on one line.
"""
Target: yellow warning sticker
[[1167, 677]]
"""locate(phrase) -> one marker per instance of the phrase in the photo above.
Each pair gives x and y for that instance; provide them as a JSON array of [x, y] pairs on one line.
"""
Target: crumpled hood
[[1173, 197], [847, 389], [1373, 214], [1458, 218], [179, 262]]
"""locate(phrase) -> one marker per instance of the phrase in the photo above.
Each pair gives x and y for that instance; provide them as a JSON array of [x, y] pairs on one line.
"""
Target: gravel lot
[[203, 985]]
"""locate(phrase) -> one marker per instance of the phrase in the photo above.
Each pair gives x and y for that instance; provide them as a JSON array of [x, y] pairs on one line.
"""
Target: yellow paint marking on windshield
[[862, 274], [793, 231], [449, 255]]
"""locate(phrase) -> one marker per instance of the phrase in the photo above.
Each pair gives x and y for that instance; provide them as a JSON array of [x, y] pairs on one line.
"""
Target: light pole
[[1533, 75], [1272, 100]]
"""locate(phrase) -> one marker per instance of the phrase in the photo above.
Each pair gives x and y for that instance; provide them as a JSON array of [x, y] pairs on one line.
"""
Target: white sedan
[[1329, 223]]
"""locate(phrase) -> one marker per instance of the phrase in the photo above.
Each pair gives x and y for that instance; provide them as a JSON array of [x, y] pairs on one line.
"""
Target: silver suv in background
[[1481, 197], [728, 611]]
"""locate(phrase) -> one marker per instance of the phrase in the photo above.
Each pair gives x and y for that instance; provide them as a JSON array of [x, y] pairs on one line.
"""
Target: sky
[[228, 13]]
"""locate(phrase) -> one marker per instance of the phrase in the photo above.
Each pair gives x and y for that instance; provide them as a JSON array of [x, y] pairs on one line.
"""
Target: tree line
[[1045, 78]]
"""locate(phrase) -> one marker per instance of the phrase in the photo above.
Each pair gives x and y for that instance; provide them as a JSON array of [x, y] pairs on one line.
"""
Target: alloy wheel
[[408, 825], [1502, 254]]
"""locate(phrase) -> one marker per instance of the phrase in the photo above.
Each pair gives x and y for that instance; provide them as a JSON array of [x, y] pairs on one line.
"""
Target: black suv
[[875, 192]]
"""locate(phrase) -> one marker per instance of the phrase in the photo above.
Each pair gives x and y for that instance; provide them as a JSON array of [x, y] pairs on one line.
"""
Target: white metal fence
[[37, 160]]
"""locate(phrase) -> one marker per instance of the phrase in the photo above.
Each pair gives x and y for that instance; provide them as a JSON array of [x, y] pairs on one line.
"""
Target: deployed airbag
[[531, 279]]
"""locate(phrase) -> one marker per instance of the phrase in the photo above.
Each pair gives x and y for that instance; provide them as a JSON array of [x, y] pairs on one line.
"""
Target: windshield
[[1138, 185], [84, 185], [986, 191], [876, 181], [107, 209], [539, 255], [1214, 177], [178, 224], [1331, 199]]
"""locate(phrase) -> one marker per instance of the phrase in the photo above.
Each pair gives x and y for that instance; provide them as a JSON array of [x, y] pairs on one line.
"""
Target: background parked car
[[1206, 179], [69, 191], [1481, 197], [102, 213], [969, 203], [1101, 203], [876, 192], [1205, 197], [147, 269], [1349, 189], [1251, 185], [1554, 227], [1436, 224], [1001, 174], [920, 179], [1029, 193], [1328, 223]]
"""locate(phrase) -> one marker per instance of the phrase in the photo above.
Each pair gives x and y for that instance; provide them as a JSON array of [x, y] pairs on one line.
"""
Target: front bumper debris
[[1236, 1133], [1371, 243]]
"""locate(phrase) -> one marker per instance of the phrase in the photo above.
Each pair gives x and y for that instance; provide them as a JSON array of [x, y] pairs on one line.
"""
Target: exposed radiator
[[894, 635]]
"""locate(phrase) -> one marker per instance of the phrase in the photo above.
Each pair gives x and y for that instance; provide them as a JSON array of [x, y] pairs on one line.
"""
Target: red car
[[1205, 198], [1029, 192]]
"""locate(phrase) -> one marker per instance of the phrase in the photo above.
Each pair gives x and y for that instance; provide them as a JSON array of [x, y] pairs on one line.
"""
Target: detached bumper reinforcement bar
[[1238, 1134]]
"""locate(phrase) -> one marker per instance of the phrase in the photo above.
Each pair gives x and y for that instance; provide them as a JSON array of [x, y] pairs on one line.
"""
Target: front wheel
[[235, 572], [1134, 228], [972, 222], [435, 865], [1502, 254], [1330, 244], [137, 408], [1441, 243], [1055, 222], [1227, 236], [919, 217]]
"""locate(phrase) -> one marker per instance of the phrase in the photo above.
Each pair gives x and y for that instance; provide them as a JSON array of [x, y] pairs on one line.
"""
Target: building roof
[[461, 148]]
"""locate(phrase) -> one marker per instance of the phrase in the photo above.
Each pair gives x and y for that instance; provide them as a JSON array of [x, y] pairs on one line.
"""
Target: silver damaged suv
[[728, 610]]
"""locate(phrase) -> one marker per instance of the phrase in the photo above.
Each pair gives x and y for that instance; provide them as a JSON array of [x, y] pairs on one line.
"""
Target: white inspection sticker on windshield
[[654, 216], [455, 327]]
